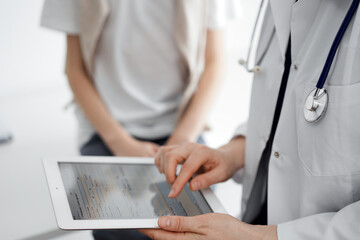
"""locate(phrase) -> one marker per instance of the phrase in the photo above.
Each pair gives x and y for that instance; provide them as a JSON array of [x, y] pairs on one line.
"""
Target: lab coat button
[[276, 154], [295, 67]]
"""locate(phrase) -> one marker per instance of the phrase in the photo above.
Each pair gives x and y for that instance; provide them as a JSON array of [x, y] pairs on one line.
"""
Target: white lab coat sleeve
[[240, 131], [61, 15], [344, 224]]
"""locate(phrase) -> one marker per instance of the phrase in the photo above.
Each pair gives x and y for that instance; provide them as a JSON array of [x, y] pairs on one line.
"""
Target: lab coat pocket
[[331, 146]]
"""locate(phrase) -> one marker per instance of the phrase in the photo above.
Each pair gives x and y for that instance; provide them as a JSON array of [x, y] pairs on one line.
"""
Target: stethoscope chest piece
[[315, 105]]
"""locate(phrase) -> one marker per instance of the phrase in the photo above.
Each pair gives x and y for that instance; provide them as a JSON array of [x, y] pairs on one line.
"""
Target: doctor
[[301, 179]]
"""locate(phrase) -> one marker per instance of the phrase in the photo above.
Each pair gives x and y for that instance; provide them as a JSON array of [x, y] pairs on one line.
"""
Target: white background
[[34, 91]]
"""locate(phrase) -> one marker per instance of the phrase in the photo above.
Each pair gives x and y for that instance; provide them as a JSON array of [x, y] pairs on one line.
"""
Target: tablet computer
[[117, 193]]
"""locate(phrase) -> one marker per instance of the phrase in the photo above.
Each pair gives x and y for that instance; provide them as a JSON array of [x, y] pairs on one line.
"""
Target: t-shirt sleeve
[[221, 12], [61, 15]]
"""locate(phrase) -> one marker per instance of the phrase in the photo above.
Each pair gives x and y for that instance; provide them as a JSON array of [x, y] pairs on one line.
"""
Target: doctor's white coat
[[314, 171]]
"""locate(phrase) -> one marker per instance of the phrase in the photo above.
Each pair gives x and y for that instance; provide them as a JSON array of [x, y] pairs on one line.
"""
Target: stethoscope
[[318, 99]]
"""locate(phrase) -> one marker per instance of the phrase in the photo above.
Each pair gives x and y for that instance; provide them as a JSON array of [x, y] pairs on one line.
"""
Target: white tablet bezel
[[62, 209]]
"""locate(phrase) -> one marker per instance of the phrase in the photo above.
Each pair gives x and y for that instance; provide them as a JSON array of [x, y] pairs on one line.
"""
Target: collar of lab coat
[[281, 10]]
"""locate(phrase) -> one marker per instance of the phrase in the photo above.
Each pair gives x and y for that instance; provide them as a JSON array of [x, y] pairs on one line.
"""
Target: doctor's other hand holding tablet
[[211, 226], [211, 166]]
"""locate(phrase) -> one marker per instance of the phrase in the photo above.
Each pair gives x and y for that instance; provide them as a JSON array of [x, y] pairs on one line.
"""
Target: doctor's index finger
[[189, 168], [171, 157]]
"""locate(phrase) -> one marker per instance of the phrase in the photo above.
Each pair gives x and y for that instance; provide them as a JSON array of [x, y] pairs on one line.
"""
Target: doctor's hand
[[209, 226], [212, 165]]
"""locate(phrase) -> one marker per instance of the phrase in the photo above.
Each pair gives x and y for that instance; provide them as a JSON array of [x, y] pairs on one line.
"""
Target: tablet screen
[[116, 191]]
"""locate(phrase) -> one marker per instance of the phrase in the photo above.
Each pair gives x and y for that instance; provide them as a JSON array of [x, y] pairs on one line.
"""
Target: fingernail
[[196, 185], [171, 193], [164, 222]]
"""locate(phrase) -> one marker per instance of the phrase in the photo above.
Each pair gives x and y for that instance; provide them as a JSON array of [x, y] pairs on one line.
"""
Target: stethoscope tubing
[[246, 63], [327, 66]]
